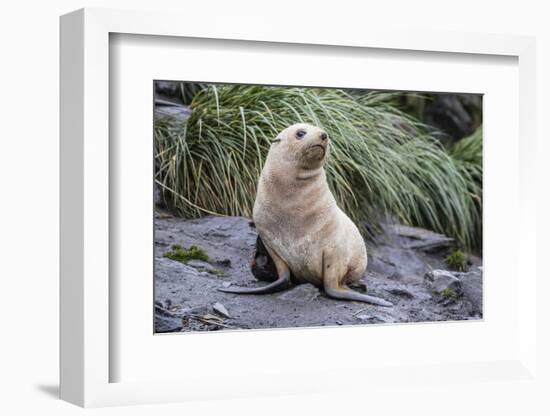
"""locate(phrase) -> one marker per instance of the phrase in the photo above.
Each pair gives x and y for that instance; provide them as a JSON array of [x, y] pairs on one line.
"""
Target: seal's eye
[[300, 134]]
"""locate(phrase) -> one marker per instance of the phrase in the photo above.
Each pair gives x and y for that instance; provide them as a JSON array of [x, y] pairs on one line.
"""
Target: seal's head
[[303, 144]]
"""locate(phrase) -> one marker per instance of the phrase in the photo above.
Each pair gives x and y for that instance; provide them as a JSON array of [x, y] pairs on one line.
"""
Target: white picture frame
[[86, 305]]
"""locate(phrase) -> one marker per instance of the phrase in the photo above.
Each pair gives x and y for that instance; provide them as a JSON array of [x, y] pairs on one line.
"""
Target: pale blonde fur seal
[[305, 232]]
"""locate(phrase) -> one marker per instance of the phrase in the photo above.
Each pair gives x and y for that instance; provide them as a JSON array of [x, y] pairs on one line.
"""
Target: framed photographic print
[[293, 212], [308, 170]]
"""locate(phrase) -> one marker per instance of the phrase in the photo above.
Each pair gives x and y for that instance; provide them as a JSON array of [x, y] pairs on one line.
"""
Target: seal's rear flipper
[[348, 294], [282, 283]]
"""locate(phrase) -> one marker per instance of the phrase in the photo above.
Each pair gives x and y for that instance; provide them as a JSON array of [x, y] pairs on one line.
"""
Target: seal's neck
[[287, 173], [308, 174]]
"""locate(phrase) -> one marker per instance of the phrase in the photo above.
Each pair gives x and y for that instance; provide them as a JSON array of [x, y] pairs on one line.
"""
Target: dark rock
[[176, 111], [167, 88], [472, 286], [166, 324], [224, 262], [448, 114], [169, 101], [443, 282], [221, 310], [396, 262], [202, 266], [304, 293], [458, 115], [157, 196], [422, 239], [374, 319], [162, 311], [196, 310], [381, 265], [403, 293]]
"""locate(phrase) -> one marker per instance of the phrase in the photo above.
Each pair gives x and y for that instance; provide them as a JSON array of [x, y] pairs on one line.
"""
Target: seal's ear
[[277, 139]]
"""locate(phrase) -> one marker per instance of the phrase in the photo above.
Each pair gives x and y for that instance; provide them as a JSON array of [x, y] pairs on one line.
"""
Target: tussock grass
[[467, 155], [382, 161]]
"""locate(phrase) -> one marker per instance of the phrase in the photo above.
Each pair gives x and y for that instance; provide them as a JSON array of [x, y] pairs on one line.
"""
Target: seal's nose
[[323, 136]]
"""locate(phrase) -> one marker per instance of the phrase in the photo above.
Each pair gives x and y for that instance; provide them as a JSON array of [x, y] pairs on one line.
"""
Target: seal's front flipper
[[348, 294], [282, 283]]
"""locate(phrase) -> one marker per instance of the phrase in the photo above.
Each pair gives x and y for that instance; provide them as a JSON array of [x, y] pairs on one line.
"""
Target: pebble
[[221, 310], [202, 266]]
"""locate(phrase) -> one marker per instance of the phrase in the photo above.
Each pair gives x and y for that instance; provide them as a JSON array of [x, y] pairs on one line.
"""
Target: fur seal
[[307, 236]]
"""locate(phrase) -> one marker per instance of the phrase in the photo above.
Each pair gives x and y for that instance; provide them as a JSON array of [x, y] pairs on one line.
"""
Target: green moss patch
[[449, 294], [183, 255], [457, 260]]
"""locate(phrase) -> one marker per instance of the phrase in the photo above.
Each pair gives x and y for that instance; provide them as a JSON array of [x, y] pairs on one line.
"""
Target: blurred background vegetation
[[411, 157]]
